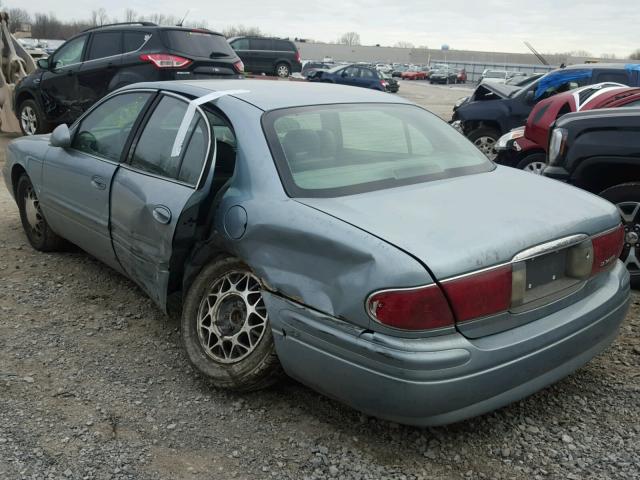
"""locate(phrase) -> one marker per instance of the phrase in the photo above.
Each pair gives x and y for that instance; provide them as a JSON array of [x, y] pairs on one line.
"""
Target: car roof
[[274, 94], [599, 66]]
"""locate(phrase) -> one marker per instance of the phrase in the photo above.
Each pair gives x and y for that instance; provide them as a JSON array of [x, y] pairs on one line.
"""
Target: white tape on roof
[[191, 110]]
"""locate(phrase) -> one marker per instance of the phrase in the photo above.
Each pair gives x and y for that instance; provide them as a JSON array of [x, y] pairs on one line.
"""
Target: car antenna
[[533, 50], [183, 19]]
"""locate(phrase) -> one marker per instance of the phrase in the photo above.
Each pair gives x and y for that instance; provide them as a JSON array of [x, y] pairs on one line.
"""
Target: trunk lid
[[465, 224]]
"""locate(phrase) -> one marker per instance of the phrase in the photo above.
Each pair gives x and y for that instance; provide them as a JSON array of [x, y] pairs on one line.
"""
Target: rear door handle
[[161, 214], [98, 182]]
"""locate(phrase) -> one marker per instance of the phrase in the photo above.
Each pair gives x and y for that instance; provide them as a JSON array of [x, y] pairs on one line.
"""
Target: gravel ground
[[94, 385]]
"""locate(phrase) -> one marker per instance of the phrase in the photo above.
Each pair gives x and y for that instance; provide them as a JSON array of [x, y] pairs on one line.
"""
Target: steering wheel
[[86, 141]]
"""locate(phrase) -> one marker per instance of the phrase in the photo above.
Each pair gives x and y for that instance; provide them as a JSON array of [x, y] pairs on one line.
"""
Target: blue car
[[356, 76], [345, 237]]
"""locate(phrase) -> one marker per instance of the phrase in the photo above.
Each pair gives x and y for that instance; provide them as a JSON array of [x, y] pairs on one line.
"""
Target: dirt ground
[[94, 385]]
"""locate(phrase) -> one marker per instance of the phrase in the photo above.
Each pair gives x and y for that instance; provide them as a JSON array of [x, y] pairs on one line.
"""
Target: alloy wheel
[[630, 213], [33, 212], [29, 120], [283, 71], [535, 167], [487, 145], [232, 317]]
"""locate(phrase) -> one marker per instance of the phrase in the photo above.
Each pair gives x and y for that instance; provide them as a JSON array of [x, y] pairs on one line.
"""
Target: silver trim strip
[[545, 248], [102, 58]]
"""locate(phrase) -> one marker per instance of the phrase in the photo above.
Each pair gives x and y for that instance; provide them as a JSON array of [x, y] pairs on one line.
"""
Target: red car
[[414, 75], [526, 147]]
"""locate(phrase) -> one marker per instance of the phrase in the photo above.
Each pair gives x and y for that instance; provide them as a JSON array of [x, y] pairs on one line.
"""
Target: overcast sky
[[495, 25]]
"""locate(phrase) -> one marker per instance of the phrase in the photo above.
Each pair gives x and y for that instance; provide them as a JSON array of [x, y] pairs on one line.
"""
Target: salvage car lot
[[94, 384]]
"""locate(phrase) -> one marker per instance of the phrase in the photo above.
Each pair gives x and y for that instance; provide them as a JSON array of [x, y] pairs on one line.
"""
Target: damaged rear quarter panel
[[297, 251]]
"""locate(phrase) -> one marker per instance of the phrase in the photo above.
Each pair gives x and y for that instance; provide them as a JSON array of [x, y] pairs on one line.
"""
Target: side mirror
[[43, 63], [60, 137], [529, 97]]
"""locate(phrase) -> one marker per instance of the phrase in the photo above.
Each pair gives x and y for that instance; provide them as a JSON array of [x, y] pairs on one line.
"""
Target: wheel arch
[[16, 172], [596, 174]]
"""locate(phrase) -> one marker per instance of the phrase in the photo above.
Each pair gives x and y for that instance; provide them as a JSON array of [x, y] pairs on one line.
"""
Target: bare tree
[[350, 38], [99, 17], [635, 55], [130, 15], [608, 56], [242, 31], [17, 18], [404, 45]]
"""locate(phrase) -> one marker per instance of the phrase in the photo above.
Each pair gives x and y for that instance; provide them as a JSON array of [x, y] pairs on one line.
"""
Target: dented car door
[[151, 189]]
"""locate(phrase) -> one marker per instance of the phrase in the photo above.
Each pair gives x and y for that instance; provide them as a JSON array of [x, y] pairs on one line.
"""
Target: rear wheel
[[283, 70], [533, 163], [485, 140], [32, 121], [35, 226], [626, 198], [225, 328]]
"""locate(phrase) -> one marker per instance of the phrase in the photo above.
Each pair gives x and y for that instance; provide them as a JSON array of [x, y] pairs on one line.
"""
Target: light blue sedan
[[343, 236]]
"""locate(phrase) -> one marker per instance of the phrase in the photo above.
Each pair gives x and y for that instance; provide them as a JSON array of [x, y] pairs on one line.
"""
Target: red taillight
[[422, 308], [480, 294], [606, 249], [298, 59], [165, 60], [239, 66]]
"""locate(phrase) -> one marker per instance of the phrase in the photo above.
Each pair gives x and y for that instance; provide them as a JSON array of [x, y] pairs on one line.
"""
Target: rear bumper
[[445, 379]]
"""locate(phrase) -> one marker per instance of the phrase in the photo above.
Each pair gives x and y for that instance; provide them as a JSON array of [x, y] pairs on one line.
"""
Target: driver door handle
[[161, 214], [98, 182]]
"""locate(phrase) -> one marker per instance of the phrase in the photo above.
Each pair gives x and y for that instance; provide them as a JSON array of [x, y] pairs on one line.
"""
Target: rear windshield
[[198, 44], [334, 150]]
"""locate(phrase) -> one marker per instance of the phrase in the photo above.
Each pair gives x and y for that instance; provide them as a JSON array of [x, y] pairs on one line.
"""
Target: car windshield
[[334, 150], [198, 44]]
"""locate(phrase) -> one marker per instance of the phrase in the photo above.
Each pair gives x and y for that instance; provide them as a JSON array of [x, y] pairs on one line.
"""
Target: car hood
[[466, 223], [500, 89]]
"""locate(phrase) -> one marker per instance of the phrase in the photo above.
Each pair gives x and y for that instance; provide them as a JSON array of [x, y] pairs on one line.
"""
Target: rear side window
[[198, 44], [104, 131], [105, 44], [261, 44], [132, 41], [153, 152], [366, 73], [283, 45], [618, 77]]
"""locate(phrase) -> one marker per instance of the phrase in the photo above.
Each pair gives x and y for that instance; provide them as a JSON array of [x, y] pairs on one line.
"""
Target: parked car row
[[495, 109]]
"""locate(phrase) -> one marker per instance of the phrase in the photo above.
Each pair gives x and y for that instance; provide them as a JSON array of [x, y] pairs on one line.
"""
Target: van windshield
[[334, 150]]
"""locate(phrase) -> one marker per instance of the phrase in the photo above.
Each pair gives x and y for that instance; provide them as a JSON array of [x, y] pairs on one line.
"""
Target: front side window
[[70, 53], [327, 151], [105, 44], [241, 44], [105, 130]]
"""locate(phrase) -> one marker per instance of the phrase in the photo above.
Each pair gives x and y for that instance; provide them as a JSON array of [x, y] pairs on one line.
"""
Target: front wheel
[[282, 70], [533, 163], [485, 140], [626, 198], [225, 328], [32, 121]]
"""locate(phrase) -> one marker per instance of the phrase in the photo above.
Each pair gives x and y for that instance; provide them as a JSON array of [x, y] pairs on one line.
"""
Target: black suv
[[102, 59], [272, 56], [599, 151]]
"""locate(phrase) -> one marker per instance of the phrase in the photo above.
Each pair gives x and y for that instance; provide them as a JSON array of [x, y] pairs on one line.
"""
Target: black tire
[[30, 109], [626, 197], [260, 367], [533, 163], [35, 226], [283, 70], [479, 135]]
